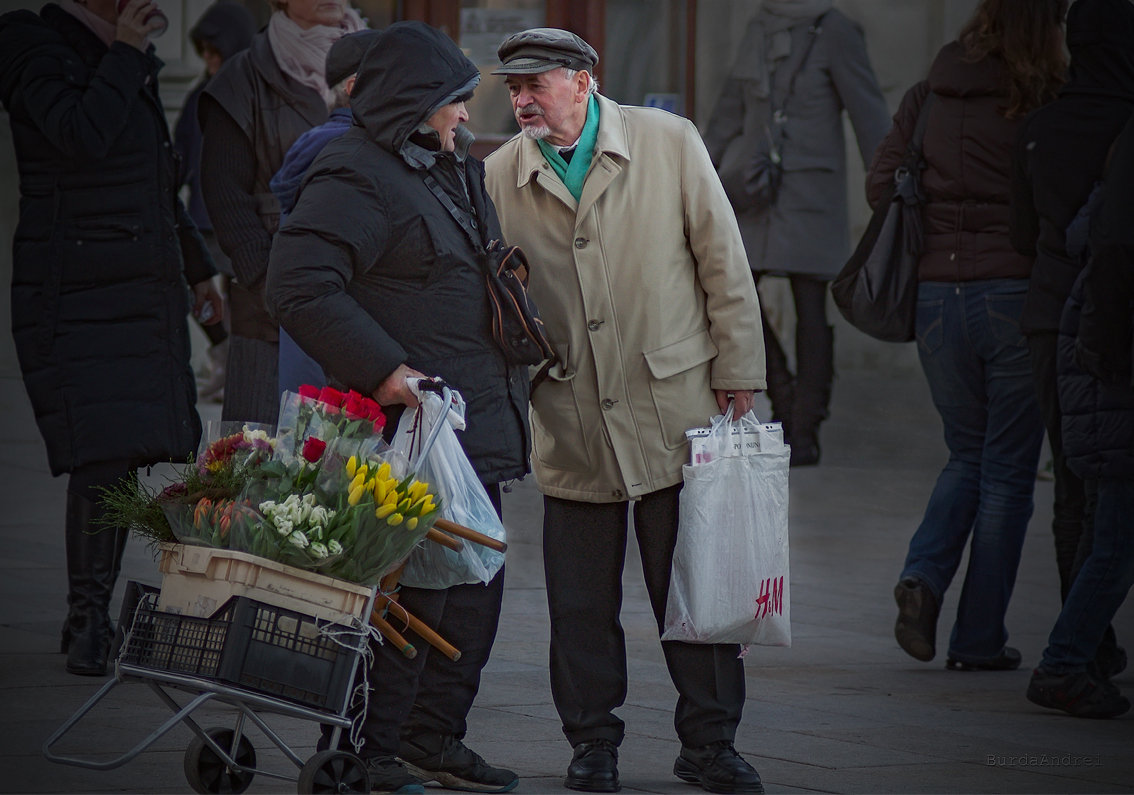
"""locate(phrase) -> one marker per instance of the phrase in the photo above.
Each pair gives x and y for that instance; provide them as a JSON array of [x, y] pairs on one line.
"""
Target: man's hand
[[743, 400], [208, 306], [135, 22], [395, 389]]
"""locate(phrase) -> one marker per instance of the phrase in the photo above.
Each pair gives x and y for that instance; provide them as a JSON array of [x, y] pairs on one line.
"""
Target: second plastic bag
[[462, 497], [730, 580]]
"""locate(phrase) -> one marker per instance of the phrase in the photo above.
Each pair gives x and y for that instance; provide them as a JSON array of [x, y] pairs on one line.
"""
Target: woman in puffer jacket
[[1007, 61]]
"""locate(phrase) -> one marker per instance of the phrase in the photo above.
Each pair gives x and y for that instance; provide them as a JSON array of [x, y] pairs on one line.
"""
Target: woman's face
[[309, 13]]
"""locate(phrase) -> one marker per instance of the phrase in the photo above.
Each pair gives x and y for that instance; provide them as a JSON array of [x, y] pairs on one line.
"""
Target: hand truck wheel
[[334, 771], [207, 773]]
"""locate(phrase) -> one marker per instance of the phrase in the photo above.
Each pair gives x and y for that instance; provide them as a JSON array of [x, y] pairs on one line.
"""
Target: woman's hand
[[395, 389], [208, 305], [137, 19]]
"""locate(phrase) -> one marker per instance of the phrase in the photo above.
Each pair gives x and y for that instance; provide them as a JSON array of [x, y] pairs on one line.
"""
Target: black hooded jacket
[[370, 270], [1063, 147], [103, 250]]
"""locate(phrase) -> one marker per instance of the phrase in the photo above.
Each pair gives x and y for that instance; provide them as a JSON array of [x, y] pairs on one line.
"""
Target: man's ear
[[582, 80], [349, 84]]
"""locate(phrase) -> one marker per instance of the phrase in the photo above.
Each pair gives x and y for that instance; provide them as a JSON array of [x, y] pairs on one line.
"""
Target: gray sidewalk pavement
[[842, 710]]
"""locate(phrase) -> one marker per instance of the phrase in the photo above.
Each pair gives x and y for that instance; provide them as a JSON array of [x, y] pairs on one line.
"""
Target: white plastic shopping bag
[[730, 580], [446, 468]]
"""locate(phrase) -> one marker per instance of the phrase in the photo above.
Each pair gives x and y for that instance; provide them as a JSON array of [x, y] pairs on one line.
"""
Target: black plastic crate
[[252, 645]]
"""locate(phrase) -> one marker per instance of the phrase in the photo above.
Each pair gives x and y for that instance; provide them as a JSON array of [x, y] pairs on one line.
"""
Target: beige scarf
[[302, 54]]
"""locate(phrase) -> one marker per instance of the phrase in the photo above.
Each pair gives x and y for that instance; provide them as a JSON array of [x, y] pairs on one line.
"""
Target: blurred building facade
[[672, 54]]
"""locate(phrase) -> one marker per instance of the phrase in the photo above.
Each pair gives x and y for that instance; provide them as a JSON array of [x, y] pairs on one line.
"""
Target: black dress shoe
[[1007, 660], [594, 767], [916, 628], [717, 768]]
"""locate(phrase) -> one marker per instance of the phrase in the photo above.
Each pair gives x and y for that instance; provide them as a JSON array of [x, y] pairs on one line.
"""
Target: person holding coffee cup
[[106, 266]]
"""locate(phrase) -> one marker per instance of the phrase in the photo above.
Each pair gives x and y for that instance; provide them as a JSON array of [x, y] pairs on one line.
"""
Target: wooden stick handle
[[421, 628], [446, 541], [392, 635], [390, 581], [469, 534]]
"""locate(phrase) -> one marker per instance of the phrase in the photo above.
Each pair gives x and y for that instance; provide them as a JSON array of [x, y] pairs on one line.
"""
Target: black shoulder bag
[[756, 184], [516, 325], [876, 291]]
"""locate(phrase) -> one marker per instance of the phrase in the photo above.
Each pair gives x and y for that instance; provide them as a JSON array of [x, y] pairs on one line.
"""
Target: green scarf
[[574, 173]]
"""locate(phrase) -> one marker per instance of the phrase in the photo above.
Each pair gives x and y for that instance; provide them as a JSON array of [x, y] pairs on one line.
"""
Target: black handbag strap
[[914, 151], [777, 116], [466, 221]]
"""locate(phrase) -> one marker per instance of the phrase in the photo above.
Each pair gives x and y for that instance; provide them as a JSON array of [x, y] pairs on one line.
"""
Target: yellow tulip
[[391, 498], [351, 466], [404, 504], [363, 469], [379, 490], [384, 510], [384, 471], [355, 495], [411, 523], [395, 519]]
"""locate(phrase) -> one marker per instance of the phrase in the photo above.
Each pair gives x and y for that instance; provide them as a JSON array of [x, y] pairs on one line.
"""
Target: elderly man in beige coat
[[641, 278]]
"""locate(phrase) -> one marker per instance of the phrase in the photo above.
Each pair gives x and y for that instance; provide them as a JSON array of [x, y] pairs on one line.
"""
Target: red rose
[[331, 396], [353, 405], [309, 391], [313, 449]]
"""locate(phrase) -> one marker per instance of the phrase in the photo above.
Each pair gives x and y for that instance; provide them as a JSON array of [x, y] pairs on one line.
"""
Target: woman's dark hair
[[1028, 36]]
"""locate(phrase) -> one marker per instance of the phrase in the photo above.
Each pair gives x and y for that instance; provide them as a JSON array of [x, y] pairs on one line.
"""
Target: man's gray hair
[[592, 87]]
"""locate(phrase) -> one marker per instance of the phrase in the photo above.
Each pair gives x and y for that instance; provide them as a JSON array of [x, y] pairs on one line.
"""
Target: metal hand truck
[[255, 657]]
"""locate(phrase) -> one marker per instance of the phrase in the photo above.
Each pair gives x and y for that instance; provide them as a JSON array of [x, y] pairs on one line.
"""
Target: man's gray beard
[[537, 133]]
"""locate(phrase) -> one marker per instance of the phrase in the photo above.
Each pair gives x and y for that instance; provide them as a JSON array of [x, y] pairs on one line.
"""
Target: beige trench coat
[[647, 297]]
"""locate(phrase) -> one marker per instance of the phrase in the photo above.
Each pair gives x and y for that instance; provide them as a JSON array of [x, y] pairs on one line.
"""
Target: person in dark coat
[[1059, 157], [376, 279], [251, 112], [295, 366], [1096, 393], [104, 255], [225, 29], [1007, 61], [800, 65]]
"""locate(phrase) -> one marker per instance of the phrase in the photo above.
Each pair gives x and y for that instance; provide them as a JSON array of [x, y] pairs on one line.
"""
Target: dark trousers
[[1073, 520], [584, 552], [431, 694], [1070, 515], [800, 399]]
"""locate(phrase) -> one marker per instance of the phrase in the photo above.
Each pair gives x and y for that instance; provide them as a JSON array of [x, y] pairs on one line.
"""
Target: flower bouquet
[[325, 494]]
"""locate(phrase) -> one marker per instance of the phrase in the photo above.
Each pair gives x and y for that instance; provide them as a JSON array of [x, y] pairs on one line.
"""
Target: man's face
[[445, 122], [550, 105]]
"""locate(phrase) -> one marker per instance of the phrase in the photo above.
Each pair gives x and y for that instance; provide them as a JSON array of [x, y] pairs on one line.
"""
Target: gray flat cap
[[346, 54], [543, 49]]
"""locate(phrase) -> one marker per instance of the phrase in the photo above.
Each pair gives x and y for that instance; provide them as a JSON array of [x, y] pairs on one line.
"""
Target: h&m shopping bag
[[730, 580]]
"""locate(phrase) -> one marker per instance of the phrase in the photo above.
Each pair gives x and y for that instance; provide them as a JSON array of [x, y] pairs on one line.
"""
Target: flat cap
[[346, 54], [543, 49]]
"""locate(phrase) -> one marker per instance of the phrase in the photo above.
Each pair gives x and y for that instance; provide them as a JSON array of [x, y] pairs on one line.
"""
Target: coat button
[[581, 242], [594, 325], [608, 404]]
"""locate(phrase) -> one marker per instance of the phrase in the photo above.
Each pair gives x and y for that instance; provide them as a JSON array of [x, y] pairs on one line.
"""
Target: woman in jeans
[[1007, 61]]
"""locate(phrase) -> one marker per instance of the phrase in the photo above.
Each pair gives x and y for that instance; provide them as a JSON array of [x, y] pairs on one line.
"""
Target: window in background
[[484, 24], [644, 59]]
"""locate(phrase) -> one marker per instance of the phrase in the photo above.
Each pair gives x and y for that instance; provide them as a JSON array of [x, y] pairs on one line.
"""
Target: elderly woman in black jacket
[[103, 257], [251, 112], [375, 277]]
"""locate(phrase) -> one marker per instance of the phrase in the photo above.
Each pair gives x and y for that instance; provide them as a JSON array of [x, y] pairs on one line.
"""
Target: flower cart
[[280, 558]]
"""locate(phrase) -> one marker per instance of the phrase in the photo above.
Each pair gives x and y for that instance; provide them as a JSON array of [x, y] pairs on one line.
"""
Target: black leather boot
[[814, 374], [94, 556], [781, 382]]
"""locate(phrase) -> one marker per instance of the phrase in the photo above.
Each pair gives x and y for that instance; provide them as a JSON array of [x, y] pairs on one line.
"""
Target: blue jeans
[[1101, 585], [977, 364]]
